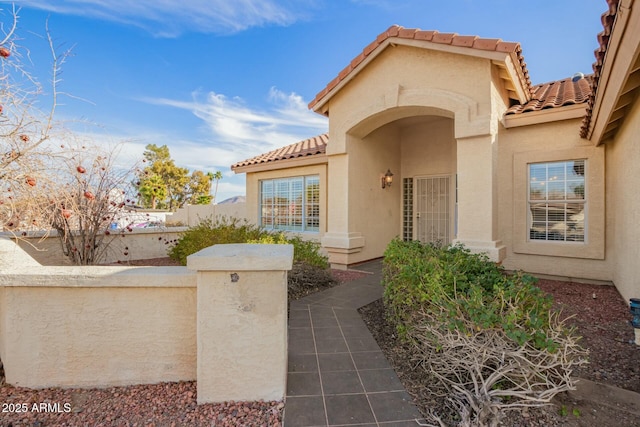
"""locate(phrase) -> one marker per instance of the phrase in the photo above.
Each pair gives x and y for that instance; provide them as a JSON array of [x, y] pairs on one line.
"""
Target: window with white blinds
[[557, 201], [291, 204]]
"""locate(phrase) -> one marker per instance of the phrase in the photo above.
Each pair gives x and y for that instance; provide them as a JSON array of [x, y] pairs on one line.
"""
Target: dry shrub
[[305, 279], [490, 339], [484, 373]]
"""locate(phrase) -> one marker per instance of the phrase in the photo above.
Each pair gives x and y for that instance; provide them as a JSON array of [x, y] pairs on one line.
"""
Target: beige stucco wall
[[87, 337], [253, 192], [404, 79], [95, 326], [191, 215], [623, 204], [219, 321], [371, 116], [374, 212], [250, 318], [553, 141], [140, 243], [428, 148]]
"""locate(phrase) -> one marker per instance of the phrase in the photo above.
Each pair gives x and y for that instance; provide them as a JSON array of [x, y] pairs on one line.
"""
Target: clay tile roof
[[453, 39], [556, 94], [608, 18], [308, 147]]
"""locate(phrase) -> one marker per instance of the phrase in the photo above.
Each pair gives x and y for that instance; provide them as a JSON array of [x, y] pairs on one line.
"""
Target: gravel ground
[[601, 317], [166, 404]]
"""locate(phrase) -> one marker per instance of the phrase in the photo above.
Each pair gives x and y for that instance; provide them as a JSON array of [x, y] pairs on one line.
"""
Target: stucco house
[[544, 178]]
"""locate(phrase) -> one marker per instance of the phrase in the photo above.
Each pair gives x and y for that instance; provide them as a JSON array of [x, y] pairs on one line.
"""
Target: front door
[[433, 209]]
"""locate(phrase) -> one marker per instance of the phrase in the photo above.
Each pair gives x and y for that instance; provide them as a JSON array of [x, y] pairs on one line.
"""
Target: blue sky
[[219, 81]]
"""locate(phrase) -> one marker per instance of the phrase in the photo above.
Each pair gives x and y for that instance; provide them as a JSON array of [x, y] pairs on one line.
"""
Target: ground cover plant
[[490, 340]]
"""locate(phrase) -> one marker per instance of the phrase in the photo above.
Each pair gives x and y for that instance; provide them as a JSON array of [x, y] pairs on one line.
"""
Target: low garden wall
[[219, 321], [191, 215], [140, 243]]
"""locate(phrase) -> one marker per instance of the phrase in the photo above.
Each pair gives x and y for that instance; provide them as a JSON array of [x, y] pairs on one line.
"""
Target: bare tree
[[25, 130], [49, 180]]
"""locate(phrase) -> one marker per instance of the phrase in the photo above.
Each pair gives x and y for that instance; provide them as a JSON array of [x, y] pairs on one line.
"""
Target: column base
[[495, 249], [341, 247]]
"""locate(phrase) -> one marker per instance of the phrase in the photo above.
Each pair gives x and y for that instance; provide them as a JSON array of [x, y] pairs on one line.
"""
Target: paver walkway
[[338, 376]]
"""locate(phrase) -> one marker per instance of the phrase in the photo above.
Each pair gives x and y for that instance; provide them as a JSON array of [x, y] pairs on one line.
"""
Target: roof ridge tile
[[432, 36], [444, 38]]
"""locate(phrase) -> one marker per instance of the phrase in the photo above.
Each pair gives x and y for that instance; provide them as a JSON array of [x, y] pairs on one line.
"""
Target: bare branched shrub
[[87, 204], [24, 127], [484, 373]]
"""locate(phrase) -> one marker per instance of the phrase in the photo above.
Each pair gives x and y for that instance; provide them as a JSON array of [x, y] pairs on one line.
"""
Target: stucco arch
[[402, 103]]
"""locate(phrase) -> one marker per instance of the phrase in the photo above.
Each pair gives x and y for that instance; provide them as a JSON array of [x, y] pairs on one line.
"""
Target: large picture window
[[291, 204], [557, 201]]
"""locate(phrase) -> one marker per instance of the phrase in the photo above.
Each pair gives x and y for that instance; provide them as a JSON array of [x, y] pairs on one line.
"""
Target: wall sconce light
[[387, 179]]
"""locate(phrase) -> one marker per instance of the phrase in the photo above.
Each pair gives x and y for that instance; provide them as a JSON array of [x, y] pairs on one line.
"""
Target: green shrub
[[210, 232], [464, 291], [233, 230], [304, 251], [308, 252]]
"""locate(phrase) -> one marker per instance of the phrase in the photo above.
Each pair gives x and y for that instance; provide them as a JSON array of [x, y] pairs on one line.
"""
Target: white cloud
[[168, 18], [237, 132], [231, 131]]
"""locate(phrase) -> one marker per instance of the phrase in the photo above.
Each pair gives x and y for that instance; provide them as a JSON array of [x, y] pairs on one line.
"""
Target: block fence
[[221, 321]]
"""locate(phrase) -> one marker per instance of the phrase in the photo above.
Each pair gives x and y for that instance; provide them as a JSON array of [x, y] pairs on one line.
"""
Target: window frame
[[294, 212], [594, 245], [550, 201]]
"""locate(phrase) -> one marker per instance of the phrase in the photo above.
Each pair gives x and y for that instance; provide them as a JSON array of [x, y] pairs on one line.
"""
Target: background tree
[[198, 189], [217, 176], [164, 185], [152, 188]]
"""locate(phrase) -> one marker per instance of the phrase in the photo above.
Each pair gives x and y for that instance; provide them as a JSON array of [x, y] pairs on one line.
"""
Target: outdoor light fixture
[[387, 179]]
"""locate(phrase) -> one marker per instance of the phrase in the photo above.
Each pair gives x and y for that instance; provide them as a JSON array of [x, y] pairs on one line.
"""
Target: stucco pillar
[[241, 321], [477, 196], [338, 241]]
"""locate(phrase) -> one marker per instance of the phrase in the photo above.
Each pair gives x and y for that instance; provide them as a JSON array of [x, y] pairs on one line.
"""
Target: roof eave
[[309, 160], [567, 112], [616, 86], [517, 78]]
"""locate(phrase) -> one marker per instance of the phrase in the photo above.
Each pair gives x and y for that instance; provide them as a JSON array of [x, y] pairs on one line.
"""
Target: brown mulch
[[600, 316], [602, 319]]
